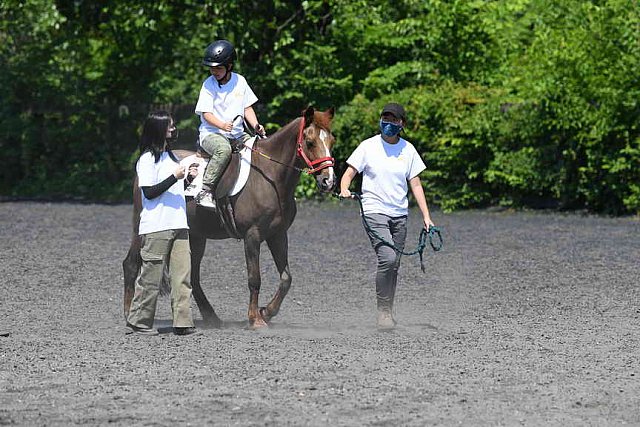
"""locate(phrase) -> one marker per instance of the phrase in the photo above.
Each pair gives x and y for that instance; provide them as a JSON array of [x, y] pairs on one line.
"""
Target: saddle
[[224, 207]]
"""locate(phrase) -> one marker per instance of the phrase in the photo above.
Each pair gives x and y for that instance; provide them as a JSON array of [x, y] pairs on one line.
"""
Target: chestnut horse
[[264, 210]]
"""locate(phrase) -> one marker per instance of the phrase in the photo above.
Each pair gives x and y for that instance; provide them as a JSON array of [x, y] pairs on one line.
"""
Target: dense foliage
[[523, 103]]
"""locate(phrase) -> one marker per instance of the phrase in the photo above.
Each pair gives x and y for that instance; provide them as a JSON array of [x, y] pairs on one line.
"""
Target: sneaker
[[385, 320], [186, 331], [141, 331], [205, 199]]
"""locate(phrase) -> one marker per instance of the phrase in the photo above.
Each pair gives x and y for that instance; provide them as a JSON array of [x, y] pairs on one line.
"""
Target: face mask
[[173, 137], [390, 129]]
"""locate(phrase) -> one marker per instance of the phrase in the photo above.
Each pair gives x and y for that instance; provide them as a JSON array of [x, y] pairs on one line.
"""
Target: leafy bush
[[522, 103]]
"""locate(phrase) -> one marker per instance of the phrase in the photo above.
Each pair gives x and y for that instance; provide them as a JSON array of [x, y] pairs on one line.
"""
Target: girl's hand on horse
[[193, 170], [179, 172], [260, 130]]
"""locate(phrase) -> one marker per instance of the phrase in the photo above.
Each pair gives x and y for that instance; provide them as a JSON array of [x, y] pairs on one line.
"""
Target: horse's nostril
[[325, 183]]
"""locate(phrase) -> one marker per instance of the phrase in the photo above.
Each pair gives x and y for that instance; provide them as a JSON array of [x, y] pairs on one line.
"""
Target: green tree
[[512, 102]]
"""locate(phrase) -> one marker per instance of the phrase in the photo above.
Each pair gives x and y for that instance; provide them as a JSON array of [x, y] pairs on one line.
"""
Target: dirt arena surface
[[522, 319]]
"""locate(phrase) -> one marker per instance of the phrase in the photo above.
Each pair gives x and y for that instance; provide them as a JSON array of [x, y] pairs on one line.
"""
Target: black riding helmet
[[220, 52]]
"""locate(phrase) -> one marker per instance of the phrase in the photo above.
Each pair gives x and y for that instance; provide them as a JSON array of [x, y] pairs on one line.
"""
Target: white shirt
[[168, 211], [226, 103], [386, 169]]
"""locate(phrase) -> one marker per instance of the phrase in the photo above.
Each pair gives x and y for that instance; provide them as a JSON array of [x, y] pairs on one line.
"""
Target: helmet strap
[[224, 79]]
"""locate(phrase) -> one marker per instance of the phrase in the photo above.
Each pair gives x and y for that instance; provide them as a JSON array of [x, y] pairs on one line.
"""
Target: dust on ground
[[522, 319]]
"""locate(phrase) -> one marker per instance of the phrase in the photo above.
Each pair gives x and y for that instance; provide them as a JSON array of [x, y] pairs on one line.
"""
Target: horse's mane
[[321, 120], [279, 133], [295, 122]]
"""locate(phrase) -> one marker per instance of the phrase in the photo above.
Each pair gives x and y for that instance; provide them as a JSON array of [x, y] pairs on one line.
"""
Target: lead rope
[[432, 233], [255, 150], [253, 133]]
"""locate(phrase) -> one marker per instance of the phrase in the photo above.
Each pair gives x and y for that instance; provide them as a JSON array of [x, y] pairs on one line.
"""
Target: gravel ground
[[522, 319]]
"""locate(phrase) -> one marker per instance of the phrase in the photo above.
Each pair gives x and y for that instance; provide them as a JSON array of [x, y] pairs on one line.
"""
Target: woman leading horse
[[263, 211]]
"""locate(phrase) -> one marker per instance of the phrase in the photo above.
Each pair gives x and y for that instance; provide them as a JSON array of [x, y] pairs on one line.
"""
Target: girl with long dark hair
[[163, 229]]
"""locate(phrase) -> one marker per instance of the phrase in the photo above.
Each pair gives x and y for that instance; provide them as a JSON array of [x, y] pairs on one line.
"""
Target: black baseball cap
[[396, 109]]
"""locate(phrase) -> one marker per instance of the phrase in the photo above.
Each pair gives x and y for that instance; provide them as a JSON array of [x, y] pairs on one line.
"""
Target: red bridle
[[324, 162]]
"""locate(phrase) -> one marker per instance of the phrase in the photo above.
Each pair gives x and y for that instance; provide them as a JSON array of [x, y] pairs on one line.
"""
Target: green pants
[[219, 148], [157, 249]]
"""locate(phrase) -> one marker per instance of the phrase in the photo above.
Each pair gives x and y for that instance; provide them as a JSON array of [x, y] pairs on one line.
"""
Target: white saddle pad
[[198, 162]]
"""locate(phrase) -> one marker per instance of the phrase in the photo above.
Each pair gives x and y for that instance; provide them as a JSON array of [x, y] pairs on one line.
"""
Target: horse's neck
[[282, 148], [279, 160]]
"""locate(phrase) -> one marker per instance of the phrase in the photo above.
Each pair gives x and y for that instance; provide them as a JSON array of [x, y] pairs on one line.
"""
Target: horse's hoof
[[258, 323]]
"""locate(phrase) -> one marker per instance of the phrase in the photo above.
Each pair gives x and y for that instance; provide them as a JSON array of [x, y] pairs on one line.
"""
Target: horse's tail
[[133, 261], [131, 267]]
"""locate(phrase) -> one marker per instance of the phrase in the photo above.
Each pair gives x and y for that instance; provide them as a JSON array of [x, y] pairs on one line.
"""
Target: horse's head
[[314, 146]]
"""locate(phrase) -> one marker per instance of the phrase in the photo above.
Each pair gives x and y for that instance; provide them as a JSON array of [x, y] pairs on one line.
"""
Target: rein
[[433, 232], [311, 164], [255, 150]]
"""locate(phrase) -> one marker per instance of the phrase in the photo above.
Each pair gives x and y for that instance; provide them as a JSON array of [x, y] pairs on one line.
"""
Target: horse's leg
[[279, 247], [131, 266], [209, 315], [252, 257]]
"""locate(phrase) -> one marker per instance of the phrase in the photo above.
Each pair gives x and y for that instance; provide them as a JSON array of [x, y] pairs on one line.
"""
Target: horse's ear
[[308, 115], [331, 111]]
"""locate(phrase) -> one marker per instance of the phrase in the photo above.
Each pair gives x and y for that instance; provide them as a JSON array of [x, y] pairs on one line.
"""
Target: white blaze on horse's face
[[326, 179], [324, 137]]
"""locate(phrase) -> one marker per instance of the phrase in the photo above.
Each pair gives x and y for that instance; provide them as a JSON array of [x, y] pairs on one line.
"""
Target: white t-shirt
[[386, 169], [226, 103], [168, 211]]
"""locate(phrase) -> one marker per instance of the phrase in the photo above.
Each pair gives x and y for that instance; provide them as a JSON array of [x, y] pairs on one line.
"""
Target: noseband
[[324, 162]]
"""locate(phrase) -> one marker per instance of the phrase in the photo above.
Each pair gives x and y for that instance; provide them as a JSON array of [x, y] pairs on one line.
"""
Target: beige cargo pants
[[158, 249]]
